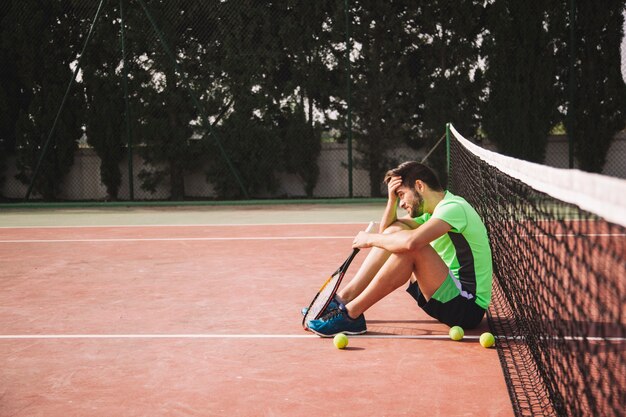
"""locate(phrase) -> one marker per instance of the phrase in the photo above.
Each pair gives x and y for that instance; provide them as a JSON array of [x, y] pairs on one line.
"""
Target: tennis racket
[[329, 288]]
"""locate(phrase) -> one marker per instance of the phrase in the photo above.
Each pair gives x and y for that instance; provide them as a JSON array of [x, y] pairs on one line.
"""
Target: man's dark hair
[[412, 171]]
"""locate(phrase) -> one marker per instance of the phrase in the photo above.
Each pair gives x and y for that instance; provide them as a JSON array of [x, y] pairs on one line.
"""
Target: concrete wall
[[83, 181], [615, 166]]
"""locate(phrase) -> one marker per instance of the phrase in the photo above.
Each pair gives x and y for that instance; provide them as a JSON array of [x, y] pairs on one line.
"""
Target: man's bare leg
[[426, 265], [374, 261]]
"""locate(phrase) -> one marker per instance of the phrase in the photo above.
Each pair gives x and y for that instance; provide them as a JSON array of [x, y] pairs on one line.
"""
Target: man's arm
[[404, 240], [390, 214]]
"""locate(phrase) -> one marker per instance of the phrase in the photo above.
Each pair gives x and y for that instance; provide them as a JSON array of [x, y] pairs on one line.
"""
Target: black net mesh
[[558, 308]]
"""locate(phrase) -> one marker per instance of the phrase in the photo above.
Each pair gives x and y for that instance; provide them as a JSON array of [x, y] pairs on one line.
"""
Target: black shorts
[[459, 311]]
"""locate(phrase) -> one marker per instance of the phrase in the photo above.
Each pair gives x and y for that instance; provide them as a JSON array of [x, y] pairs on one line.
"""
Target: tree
[[272, 72], [521, 107], [302, 145], [105, 111], [600, 92], [449, 81], [12, 99], [382, 85], [167, 109], [305, 83], [245, 132], [45, 36]]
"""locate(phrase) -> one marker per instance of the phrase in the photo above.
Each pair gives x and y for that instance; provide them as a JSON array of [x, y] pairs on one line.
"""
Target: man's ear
[[419, 185]]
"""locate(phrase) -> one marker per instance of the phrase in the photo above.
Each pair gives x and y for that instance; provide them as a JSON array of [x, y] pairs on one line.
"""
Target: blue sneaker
[[337, 321], [333, 304]]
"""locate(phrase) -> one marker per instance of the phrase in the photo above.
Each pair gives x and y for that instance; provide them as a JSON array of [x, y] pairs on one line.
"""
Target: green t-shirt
[[465, 249]]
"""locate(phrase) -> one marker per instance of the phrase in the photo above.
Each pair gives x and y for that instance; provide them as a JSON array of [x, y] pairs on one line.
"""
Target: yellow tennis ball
[[487, 340], [456, 333], [340, 341]]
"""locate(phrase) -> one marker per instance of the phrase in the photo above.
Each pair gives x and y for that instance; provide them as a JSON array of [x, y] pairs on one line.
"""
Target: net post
[[131, 187]]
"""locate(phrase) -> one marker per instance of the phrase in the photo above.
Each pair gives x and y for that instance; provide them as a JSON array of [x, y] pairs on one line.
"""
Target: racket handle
[[367, 230]]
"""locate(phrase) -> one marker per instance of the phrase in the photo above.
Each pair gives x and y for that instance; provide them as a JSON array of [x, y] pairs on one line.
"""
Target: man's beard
[[417, 206]]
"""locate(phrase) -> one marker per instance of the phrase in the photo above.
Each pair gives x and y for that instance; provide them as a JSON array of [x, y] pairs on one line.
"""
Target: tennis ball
[[340, 341], [487, 340], [456, 333]]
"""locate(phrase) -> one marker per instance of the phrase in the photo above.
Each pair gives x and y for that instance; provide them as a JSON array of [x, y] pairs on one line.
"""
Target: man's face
[[411, 200]]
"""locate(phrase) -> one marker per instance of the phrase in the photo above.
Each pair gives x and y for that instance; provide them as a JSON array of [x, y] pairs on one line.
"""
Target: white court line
[[572, 235], [210, 336], [174, 239], [184, 225], [182, 239], [275, 336]]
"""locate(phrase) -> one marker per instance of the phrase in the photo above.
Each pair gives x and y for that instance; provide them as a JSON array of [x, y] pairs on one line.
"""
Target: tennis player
[[441, 249]]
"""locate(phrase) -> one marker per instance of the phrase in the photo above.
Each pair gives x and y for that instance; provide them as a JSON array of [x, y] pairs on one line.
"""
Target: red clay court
[[196, 312]]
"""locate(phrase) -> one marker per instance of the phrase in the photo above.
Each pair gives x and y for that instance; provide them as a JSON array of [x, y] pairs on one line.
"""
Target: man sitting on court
[[441, 249]]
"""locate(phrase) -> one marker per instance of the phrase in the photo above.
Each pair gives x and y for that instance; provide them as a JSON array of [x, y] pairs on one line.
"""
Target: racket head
[[329, 288], [326, 293]]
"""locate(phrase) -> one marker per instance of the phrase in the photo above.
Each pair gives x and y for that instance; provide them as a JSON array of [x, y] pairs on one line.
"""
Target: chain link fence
[[218, 100]]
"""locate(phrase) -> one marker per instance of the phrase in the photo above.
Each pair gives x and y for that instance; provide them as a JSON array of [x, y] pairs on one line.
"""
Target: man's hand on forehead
[[394, 184]]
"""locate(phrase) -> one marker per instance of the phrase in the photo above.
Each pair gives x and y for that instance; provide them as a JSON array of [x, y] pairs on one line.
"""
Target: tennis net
[[559, 299]]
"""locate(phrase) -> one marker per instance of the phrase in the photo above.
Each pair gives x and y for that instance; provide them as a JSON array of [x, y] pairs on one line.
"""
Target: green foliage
[[266, 68], [255, 153], [449, 80], [46, 43], [447, 66], [9, 92], [522, 103], [244, 90], [302, 144], [382, 86], [414, 68], [167, 132], [166, 109], [600, 92], [104, 115]]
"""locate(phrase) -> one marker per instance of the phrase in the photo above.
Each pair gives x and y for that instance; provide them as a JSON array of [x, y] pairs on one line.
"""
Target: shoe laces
[[335, 312]]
